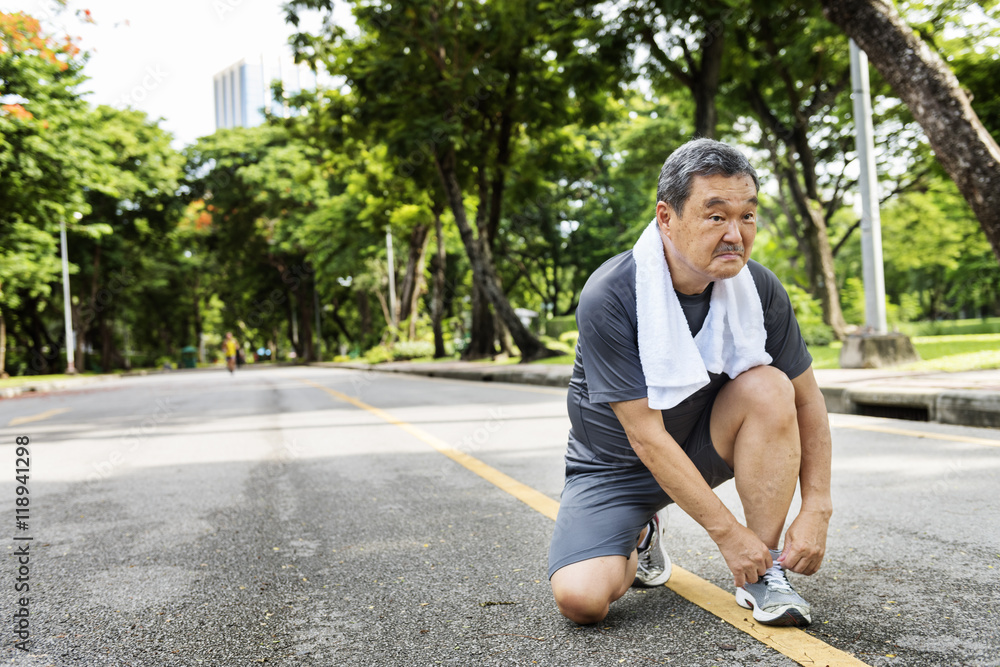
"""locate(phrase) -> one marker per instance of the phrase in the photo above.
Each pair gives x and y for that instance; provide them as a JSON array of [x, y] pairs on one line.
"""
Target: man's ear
[[665, 217]]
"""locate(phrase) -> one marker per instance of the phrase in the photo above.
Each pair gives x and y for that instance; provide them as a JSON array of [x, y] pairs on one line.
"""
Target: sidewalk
[[969, 398]]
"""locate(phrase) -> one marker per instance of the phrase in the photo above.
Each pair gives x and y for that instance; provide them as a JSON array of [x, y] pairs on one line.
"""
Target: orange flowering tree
[[38, 103]]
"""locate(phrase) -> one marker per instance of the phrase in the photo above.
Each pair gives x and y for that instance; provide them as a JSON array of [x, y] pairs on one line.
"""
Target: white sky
[[161, 57]]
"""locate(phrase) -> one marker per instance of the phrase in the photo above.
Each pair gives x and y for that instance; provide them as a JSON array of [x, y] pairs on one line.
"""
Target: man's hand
[[805, 542], [747, 557]]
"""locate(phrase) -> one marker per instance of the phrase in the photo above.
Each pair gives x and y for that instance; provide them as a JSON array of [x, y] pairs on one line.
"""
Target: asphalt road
[[208, 519]]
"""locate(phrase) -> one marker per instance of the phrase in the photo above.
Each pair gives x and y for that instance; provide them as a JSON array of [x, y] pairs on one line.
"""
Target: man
[[230, 348], [636, 446]]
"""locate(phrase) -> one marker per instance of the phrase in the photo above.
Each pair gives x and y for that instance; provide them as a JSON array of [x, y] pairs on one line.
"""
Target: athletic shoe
[[654, 563], [773, 600]]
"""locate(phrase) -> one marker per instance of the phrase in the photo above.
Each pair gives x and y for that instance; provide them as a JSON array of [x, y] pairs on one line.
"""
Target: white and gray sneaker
[[773, 600], [654, 563]]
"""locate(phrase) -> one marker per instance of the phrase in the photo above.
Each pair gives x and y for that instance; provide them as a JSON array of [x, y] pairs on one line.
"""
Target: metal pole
[[319, 329], [392, 276], [871, 223], [67, 307]]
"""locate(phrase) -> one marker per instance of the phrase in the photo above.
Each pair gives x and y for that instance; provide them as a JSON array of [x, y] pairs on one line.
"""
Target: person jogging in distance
[[230, 347]]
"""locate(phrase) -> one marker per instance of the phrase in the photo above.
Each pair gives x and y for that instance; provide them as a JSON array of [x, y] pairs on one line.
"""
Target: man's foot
[[773, 600], [654, 563]]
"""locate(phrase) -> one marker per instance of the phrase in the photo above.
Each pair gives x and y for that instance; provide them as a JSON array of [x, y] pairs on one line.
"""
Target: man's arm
[[745, 554], [805, 540]]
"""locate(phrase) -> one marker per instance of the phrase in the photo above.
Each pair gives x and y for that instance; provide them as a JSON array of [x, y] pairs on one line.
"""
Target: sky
[[161, 57]]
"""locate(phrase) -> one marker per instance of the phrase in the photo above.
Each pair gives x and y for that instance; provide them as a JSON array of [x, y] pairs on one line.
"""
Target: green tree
[[451, 87], [930, 89], [258, 186], [136, 208], [46, 166]]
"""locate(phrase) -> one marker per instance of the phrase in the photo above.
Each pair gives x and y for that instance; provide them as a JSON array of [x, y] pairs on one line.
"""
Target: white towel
[[675, 363]]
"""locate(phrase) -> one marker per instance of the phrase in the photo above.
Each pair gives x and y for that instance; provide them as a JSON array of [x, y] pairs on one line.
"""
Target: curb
[[71, 383], [53, 385]]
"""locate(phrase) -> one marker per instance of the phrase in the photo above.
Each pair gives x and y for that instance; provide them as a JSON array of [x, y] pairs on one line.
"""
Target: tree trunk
[[338, 320], [437, 303], [197, 320], [107, 345], [83, 316], [706, 80], [481, 332], [483, 271], [365, 313], [3, 347], [933, 95], [409, 296], [824, 279], [306, 324]]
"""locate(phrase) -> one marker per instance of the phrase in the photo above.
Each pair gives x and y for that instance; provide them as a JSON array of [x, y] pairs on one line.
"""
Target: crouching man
[[691, 370]]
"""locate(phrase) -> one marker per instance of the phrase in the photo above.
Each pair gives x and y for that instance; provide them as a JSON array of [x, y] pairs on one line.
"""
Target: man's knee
[[582, 604], [767, 387], [585, 590]]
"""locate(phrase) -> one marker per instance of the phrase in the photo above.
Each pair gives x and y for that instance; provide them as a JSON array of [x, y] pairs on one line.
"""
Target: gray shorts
[[602, 510]]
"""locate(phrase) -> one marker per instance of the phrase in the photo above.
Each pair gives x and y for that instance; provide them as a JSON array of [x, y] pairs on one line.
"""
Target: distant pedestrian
[[230, 347], [690, 370]]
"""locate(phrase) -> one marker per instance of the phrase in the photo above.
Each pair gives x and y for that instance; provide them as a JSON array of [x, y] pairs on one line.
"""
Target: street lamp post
[[392, 276], [871, 226], [67, 304], [873, 347]]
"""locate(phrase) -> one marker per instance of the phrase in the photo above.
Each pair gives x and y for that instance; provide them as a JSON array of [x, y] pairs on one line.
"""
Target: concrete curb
[[965, 407], [53, 385], [83, 380]]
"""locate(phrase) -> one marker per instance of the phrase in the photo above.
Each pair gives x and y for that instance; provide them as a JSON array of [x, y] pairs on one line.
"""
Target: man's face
[[713, 239]]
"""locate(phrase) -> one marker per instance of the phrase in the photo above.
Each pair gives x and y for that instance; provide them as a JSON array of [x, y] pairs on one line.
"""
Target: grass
[[950, 353], [19, 380], [990, 325]]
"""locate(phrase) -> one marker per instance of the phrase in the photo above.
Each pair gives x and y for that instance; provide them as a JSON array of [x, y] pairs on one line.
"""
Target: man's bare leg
[[584, 591], [755, 430]]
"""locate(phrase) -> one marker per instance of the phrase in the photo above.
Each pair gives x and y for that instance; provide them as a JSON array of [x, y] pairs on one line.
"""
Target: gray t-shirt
[[608, 368]]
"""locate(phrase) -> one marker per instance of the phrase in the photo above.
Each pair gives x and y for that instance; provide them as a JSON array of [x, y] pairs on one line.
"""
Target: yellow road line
[[534, 499], [801, 647], [797, 644], [17, 421], [921, 434]]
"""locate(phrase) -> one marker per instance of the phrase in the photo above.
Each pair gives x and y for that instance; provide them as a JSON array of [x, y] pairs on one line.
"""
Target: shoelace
[[775, 576], [646, 555]]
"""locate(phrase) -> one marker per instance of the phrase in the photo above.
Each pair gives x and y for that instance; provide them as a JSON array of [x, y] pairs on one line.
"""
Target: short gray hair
[[699, 157]]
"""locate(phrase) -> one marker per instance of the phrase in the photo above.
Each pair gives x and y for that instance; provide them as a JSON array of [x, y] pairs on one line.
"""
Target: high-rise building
[[243, 90]]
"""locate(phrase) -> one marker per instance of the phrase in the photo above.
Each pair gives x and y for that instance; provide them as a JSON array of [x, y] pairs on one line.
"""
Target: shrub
[[570, 338], [412, 349], [401, 351], [378, 354], [557, 326], [809, 314]]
